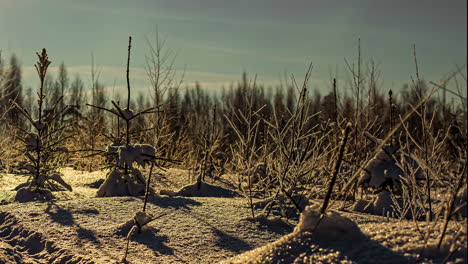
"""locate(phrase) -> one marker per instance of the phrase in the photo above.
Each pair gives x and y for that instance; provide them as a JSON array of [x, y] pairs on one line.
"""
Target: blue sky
[[215, 41]]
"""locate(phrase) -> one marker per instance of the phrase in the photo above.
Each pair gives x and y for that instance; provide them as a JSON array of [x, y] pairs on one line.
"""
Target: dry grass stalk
[[451, 205], [336, 169]]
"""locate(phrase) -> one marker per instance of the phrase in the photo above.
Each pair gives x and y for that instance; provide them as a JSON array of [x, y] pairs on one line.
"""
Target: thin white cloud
[[222, 50], [114, 79]]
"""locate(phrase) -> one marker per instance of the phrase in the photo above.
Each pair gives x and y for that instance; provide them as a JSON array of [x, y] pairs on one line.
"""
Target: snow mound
[[119, 184], [331, 226], [293, 248], [305, 246], [337, 239]]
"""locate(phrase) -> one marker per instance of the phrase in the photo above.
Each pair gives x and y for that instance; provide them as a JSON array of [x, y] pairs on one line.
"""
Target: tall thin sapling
[[43, 146]]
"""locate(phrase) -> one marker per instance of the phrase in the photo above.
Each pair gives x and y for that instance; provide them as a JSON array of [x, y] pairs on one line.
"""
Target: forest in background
[[194, 126]]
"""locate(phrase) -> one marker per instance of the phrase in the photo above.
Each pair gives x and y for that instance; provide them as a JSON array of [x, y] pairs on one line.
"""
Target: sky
[[215, 41]]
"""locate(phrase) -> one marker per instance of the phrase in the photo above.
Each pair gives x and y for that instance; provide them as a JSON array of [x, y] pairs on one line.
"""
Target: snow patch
[[119, 184], [331, 226], [139, 153]]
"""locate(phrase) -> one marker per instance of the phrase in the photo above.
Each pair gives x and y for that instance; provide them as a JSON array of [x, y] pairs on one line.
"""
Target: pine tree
[[3, 101], [76, 100], [13, 91], [62, 87]]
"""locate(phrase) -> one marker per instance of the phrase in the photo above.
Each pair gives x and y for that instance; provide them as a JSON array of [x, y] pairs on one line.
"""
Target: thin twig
[[128, 71], [148, 183]]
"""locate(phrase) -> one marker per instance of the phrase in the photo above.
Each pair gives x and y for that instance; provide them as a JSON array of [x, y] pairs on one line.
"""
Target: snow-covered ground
[[79, 228]]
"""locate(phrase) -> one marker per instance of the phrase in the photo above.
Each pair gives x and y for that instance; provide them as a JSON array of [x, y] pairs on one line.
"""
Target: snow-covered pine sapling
[[43, 145], [124, 178]]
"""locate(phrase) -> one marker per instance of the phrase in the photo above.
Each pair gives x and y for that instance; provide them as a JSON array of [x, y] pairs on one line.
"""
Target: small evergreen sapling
[[43, 145], [124, 178]]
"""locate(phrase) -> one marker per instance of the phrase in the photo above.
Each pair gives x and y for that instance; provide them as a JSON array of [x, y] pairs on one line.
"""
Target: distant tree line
[[186, 114]]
